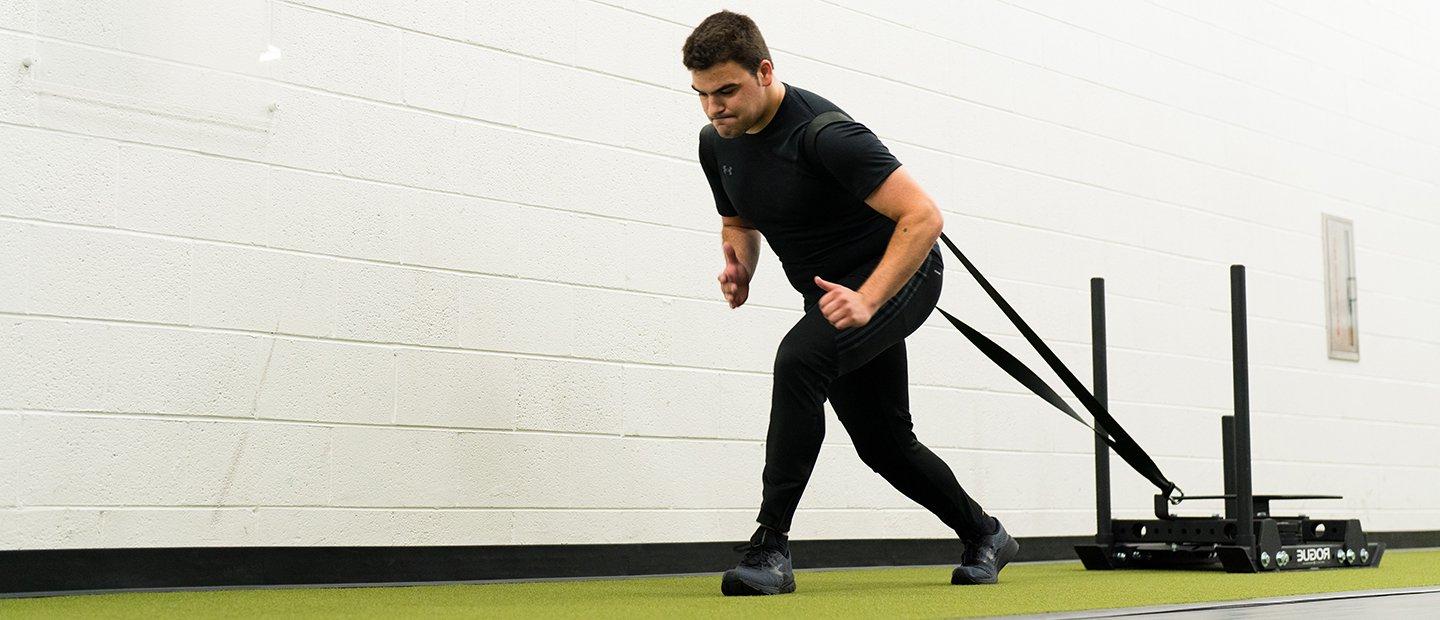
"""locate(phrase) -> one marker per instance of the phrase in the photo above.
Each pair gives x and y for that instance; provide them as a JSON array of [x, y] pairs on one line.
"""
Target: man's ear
[[765, 73]]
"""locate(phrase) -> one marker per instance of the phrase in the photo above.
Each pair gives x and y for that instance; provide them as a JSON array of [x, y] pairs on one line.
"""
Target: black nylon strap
[[1117, 438], [812, 132], [1017, 369]]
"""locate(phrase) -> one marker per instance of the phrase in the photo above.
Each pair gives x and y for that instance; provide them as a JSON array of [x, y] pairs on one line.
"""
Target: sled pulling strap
[[1105, 425]]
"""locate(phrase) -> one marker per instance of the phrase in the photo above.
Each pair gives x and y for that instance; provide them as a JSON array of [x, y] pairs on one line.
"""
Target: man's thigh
[[808, 347], [899, 317], [875, 397]]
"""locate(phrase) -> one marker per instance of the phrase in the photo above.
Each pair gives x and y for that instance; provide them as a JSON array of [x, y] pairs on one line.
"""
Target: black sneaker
[[765, 569], [984, 557]]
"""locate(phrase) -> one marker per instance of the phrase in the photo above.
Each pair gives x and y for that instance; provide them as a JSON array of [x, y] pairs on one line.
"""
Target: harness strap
[[812, 132]]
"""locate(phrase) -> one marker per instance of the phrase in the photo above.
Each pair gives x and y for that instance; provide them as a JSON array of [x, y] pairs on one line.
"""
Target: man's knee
[[797, 363], [886, 451], [802, 356], [878, 460]]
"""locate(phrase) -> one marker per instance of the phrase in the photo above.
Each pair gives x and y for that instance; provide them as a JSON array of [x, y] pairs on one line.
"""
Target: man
[[857, 238]]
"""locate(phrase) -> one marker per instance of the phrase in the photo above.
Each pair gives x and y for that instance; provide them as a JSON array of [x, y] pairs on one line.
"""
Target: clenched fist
[[843, 307], [734, 278]]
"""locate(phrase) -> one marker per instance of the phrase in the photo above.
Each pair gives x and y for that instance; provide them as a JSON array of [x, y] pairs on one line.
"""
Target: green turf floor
[[878, 593]]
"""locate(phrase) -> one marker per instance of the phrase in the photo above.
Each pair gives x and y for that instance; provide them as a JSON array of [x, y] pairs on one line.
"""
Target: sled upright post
[[1240, 365], [1102, 449]]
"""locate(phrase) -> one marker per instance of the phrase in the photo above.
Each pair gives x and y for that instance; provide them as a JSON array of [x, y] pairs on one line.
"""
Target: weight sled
[[1250, 537]]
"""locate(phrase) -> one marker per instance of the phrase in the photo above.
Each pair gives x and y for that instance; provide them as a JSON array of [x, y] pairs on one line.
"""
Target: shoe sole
[[959, 578], [732, 585]]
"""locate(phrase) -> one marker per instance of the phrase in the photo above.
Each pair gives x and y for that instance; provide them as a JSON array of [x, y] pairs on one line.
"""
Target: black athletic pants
[[863, 373]]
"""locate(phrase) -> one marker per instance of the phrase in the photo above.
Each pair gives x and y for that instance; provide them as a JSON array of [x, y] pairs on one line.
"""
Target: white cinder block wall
[[457, 287]]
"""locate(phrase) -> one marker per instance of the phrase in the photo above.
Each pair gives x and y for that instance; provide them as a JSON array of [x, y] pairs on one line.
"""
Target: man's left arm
[[918, 223], [917, 226]]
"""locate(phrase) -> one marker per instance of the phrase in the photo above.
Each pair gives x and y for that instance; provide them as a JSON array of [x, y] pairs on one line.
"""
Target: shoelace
[[975, 553], [971, 555], [755, 554]]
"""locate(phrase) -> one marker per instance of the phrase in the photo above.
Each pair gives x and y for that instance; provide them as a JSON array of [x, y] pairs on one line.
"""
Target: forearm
[[746, 242], [913, 237]]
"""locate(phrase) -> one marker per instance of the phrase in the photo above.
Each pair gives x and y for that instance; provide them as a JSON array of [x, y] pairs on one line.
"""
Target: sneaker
[[765, 569], [984, 557]]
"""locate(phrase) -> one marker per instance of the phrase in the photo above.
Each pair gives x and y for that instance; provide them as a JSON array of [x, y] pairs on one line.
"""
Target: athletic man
[[857, 238]]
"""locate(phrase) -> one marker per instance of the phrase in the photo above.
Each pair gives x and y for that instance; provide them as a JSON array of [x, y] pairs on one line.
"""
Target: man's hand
[[843, 307], [734, 279]]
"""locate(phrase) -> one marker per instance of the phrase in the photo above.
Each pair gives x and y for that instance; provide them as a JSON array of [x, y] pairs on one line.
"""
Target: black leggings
[[863, 372]]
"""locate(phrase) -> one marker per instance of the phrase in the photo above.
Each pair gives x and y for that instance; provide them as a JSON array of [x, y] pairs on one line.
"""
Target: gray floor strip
[[1393, 603]]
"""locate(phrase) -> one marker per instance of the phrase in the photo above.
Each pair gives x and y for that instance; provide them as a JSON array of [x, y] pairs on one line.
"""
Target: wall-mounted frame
[[1341, 323]]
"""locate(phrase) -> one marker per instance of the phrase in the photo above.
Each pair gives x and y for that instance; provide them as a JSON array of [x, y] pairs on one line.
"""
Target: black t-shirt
[[812, 213]]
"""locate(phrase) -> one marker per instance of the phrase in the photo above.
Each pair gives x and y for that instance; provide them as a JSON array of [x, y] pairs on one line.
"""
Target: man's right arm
[[744, 238]]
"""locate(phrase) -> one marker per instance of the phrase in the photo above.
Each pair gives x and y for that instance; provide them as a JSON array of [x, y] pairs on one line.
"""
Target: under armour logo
[[727, 170]]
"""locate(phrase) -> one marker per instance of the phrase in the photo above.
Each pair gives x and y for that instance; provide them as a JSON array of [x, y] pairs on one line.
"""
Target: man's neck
[[777, 95]]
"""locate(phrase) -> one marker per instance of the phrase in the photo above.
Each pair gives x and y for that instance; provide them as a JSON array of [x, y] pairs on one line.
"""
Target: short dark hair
[[722, 37]]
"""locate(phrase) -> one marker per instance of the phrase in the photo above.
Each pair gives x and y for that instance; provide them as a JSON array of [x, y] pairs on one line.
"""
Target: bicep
[[900, 195], [855, 157]]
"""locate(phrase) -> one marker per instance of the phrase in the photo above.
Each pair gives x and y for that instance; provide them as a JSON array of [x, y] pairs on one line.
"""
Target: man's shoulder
[[820, 106], [814, 104]]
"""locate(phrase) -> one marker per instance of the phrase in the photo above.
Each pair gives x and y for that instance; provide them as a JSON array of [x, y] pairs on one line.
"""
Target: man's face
[[732, 98]]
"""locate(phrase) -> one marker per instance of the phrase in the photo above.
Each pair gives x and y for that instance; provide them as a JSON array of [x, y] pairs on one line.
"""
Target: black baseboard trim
[[33, 572]]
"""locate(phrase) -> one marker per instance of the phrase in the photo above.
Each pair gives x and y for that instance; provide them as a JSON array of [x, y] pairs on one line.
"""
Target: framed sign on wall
[[1342, 329]]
